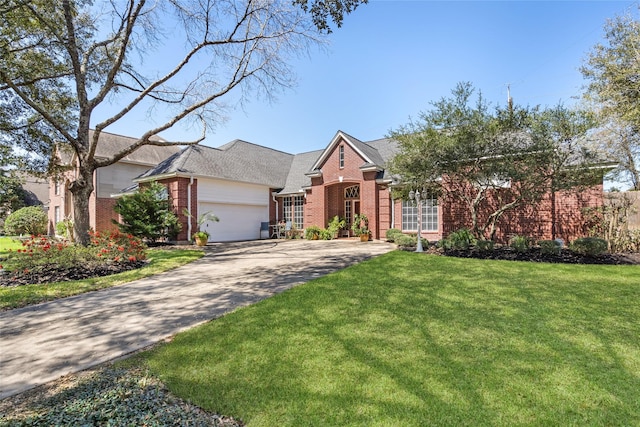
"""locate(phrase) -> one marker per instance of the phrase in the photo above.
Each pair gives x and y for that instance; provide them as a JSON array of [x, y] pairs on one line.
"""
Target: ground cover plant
[[416, 340]]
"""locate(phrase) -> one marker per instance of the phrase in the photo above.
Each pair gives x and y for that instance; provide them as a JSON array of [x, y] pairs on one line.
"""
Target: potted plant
[[360, 227], [312, 232], [201, 237], [335, 225]]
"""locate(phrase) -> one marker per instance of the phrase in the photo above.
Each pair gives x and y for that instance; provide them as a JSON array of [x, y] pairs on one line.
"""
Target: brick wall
[[326, 197], [534, 220], [104, 214], [528, 220], [178, 189], [62, 200]]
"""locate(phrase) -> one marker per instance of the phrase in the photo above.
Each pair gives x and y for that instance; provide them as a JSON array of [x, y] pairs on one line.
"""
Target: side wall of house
[[535, 221]]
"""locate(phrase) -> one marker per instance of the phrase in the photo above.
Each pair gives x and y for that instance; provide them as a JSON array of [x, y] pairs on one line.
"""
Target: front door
[[351, 204]]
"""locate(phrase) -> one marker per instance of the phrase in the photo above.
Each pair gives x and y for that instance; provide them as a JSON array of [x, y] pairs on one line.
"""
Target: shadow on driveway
[[43, 342]]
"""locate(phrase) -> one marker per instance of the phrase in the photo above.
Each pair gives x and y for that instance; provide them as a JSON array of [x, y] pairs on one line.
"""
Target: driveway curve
[[41, 343]]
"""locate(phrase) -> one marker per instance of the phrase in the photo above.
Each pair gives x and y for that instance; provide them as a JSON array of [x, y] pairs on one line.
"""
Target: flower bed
[[44, 259]]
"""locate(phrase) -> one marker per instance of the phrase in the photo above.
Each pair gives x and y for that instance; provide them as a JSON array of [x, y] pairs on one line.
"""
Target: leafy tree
[[491, 160], [467, 151], [30, 220], [69, 65], [323, 11], [613, 71], [147, 214], [11, 192], [564, 137]]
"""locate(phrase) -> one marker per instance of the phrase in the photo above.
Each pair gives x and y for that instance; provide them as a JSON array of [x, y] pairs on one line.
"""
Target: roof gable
[[370, 155]]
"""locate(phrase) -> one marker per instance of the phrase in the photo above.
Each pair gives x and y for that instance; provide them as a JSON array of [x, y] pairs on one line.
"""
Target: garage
[[237, 221]]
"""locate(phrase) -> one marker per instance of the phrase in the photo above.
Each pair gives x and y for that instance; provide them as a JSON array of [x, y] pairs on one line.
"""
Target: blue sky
[[392, 58]]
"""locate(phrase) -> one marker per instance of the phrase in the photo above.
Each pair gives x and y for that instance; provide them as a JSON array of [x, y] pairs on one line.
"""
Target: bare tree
[[70, 65]]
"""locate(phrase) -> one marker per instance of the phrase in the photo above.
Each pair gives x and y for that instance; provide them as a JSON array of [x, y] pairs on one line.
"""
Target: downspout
[[273, 196], [393, 210], [189, 226]]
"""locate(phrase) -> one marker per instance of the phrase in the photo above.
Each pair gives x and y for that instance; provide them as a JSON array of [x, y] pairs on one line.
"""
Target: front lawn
[[415, 340], [159, 261], [9, 243]]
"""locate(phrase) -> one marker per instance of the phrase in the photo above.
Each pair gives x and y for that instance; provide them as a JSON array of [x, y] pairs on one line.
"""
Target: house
[[107, 181], [245, 185]]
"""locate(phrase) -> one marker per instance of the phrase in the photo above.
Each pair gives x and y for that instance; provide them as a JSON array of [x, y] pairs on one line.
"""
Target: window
[[56, 215], [341, 156], [352, 192], [429, 215], [286, 209], [351, 202], [293, 210], [57, 188], [298, 211]]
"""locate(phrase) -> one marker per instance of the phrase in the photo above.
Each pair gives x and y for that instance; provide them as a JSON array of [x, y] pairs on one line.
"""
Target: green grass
[[159, 261], [9, 243], [415, 340]]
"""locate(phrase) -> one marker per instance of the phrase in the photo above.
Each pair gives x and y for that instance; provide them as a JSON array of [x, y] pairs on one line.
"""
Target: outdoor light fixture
[[415, 195]]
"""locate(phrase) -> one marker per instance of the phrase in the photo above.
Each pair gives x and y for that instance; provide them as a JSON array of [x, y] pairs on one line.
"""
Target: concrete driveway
[[41, 343]]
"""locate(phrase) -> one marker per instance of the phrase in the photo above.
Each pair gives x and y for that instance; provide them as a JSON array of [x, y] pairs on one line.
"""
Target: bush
[[550, 247], [31, 220], [625, 241], [335, 225], [392, 234], [462, 239], [326, 234], [520, 243], [312, 232], [591, 246], [406, 241], [485, 245], [147, 214], [65, 229], [118, 247]]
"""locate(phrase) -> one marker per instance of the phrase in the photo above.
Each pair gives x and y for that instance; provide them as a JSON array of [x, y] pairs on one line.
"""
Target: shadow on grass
[[415, 341]]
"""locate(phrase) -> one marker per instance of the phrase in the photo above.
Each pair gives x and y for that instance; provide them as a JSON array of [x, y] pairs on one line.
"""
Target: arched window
[[352, 192]]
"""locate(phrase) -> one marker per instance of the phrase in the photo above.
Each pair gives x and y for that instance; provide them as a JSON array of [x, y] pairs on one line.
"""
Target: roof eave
[[371, 168], [159, 176], [317, 173]]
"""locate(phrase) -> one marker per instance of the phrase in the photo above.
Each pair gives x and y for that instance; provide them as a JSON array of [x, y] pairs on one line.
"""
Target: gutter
[[273, 197], [189, 226]]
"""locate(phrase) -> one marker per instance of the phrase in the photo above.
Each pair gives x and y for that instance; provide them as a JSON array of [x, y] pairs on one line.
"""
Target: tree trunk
[[81, 189], [554, 231]]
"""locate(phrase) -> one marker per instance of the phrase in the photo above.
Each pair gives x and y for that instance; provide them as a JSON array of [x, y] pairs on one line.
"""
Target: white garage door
[[237, 221]]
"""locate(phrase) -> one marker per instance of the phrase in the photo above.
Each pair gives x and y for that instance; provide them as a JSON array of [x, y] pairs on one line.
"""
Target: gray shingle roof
[[296, 179], [370, 152], [236, 161], [387, 149], [110, 144], [246, 162]]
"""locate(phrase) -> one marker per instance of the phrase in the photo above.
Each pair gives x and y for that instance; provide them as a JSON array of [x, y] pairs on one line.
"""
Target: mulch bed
[[535, 255], [52, 273]]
